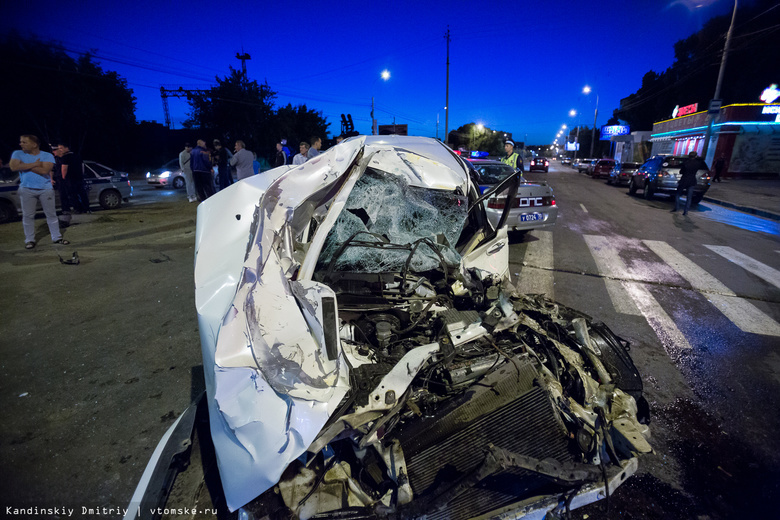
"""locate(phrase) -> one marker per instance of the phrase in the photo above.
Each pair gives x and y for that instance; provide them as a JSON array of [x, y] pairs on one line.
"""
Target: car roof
[[485, 161]]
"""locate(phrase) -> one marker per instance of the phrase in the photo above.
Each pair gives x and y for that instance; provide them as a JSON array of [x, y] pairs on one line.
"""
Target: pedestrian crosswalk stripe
[[611, 266], [754, 266], [537, 274], [665, 328], [742, 313]]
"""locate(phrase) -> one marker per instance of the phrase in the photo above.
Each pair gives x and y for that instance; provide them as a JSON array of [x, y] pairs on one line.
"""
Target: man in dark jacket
[[200, 158], [688, 180], [72, 168], [221, 158]]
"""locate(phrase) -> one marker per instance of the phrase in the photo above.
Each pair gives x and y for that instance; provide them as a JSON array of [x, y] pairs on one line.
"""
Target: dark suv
[[661, 173]]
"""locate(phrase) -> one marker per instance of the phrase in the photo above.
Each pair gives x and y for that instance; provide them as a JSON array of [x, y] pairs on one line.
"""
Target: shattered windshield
[[383, 212]]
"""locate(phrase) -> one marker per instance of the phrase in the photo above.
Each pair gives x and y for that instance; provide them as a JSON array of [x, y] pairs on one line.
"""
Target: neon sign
[[771, 109], [684, 111], [770, 94], [608, 131]]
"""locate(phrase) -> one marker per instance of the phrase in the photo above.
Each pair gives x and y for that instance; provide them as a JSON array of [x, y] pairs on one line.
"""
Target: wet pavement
[[760, 197]]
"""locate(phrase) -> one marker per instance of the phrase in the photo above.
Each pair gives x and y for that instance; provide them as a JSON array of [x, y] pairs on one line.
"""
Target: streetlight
[[573, 113], [385, 75], [588, 90]]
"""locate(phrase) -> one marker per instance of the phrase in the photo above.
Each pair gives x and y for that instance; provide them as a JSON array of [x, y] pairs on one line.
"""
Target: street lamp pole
[[385, 75], [721, 72], [588, 90], [573, 113], [447, 95]]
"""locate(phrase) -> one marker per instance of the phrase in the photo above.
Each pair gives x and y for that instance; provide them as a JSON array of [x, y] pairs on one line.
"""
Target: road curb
[[746, 209]]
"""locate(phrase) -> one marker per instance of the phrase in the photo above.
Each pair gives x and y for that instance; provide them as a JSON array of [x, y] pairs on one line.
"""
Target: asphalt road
[[689, 295], [101, 357], [98, 358]]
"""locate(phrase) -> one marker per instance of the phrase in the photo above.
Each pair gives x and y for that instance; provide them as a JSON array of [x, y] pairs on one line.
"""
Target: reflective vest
[[511, 160]]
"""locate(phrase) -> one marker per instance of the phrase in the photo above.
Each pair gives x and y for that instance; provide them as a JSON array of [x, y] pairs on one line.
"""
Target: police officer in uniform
[[512, 158]]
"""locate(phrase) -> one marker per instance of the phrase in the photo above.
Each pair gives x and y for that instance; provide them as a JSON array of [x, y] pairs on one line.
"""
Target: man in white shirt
[[300, 158]]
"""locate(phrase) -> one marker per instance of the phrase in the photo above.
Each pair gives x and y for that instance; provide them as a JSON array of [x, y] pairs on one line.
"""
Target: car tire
[[7, 211], [631, 187], [648, 193], [179, 182], [110, 199]]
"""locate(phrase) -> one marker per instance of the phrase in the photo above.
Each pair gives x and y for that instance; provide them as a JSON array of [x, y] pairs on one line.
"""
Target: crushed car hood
[[353, 309]]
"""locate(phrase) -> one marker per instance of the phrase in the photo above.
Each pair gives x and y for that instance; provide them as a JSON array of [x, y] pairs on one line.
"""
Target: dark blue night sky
[[514, 66]]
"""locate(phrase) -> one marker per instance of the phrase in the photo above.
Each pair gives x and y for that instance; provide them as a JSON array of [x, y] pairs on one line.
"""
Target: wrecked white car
[[366, 355]]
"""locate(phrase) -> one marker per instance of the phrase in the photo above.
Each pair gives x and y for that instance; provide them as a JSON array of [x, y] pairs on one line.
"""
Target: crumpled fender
[[270, 384]]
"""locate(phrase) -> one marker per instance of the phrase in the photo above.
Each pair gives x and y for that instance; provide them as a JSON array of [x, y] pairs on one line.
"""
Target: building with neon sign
[[747, 134]]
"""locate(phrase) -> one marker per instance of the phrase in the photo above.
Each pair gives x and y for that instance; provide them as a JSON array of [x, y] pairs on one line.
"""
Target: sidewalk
[[760, 197]]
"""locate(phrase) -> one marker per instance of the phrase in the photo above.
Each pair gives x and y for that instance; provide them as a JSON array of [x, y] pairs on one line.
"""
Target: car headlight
[[165, 175], [148, 174]]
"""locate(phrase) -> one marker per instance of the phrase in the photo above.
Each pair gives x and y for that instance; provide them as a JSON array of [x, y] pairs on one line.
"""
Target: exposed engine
[[465, 395]]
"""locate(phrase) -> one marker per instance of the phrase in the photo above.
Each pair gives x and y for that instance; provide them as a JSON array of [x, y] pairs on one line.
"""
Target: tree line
[[752, 64], [47, 92]]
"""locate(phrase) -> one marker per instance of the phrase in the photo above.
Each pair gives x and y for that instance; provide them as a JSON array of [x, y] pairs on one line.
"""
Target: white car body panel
[[275, 371]]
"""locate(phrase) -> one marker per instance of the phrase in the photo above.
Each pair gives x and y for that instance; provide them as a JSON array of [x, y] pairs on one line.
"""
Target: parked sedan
[[660, 174], [601, 168], [583, 165], [105, 186], [169, 174], [622, 172], [366, 356], [534, 206], [566, 160], [539, 164]]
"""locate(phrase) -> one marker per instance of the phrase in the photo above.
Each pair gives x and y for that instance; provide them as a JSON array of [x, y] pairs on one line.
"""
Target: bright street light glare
[[385, 74], [586, 90], [480, 127], [572, 112]]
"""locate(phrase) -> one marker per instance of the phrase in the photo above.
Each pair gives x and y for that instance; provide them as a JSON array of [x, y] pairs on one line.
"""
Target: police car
[[534, 206], [105, 186]]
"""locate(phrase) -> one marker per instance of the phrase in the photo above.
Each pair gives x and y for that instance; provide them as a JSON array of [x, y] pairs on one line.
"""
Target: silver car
[[533, 207], [169, 174], [366, 356], [661, 173], [105, 186]]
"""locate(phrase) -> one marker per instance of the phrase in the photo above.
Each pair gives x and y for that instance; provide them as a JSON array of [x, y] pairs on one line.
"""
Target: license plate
[[529, 217]]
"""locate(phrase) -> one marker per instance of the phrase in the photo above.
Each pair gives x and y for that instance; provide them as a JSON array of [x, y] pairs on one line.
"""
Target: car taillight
[[497, 203]]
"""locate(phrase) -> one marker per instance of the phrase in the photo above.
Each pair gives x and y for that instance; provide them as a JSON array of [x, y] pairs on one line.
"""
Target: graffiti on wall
[[756, 153]]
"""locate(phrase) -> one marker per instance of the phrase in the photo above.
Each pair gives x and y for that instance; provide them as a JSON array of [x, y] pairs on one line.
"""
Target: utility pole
[[716, 101], [243, 58], [179, 92], [595, 116], [447, 100]]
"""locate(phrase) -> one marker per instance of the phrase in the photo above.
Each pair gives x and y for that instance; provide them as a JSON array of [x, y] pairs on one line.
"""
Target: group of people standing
[[197, 164], [306, 152]]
